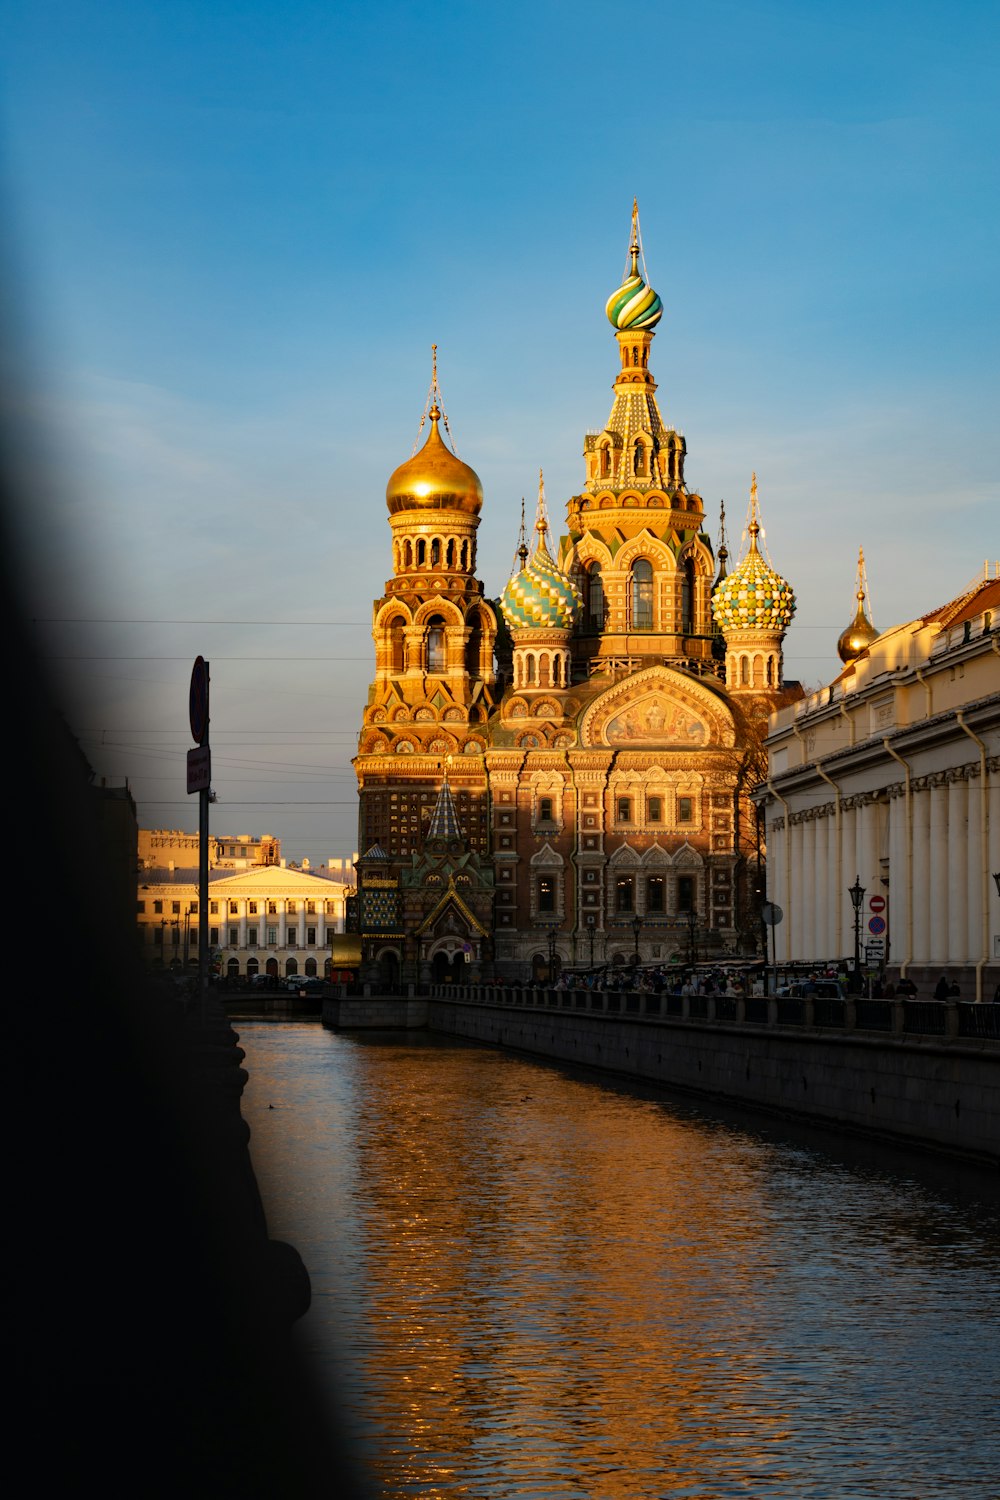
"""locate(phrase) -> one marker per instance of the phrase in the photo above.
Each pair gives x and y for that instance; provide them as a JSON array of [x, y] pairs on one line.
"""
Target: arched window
[[474, 648], [397, 660], [436, 552], [639, 459], [435, 644], [642, 594], [605, 460], [593, 592]]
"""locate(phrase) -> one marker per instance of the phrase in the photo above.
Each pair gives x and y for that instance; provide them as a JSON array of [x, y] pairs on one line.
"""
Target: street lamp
[[692, 920], [857, 895], [636, 929], [552, 952], [591, 923]]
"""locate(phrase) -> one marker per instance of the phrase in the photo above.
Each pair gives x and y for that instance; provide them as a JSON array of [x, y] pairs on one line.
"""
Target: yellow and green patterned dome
[[634, 304], [753, 596], [540, 596]]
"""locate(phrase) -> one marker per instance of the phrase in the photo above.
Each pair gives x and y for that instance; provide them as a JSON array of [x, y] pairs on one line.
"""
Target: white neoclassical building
[[265, 919], [890, 777]]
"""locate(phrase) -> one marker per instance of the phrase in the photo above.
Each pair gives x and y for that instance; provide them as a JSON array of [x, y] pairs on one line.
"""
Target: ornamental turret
[[540, 605], [636, 544], [753, 607]]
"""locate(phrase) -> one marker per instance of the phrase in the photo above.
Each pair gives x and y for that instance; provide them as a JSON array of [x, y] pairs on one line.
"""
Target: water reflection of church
[[558, 772]]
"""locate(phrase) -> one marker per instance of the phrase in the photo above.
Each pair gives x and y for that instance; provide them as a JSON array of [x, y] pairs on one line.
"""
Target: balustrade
[[954, 1020]]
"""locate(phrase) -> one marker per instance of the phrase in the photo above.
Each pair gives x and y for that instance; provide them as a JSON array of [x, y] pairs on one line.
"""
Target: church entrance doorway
[[389, 965], [448, 968]]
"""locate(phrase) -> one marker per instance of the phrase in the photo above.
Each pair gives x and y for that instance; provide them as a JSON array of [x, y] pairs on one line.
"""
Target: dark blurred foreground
[[149, 1347]]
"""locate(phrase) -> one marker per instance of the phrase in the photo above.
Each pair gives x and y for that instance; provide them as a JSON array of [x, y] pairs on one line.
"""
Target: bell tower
[[434, 635], [637, 549]]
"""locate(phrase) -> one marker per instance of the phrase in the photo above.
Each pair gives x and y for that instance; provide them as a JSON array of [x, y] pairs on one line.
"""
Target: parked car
[[310, 983], [828, 988]]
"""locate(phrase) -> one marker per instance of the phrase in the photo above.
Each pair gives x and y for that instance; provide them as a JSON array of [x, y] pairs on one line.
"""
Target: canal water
[[530, 1282]]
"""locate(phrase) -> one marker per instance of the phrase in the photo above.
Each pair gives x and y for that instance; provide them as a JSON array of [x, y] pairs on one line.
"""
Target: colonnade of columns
[[919, 843]]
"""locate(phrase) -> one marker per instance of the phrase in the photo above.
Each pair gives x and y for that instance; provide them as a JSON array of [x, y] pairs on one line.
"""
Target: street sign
[[876, 903], [875, 950], [876, 925], [199, 769], [771, 913], [198, 701]]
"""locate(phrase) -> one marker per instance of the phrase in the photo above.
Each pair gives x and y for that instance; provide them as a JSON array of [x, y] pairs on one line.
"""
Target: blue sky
[[235, 230]]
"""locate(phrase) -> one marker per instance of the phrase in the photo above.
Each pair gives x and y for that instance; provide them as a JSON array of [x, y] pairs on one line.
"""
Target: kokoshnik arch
[[561, 773]]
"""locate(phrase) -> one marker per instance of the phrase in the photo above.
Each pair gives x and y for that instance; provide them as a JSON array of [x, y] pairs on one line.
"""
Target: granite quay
[[919, 1072]]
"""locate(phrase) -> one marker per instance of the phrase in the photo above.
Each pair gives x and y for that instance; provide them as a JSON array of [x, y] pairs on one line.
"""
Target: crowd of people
[[658, 981]]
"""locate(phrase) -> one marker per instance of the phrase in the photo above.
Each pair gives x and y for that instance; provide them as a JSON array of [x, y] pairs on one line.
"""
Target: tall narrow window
[[642, 594], [687, 597], [624, 809], [546, 893], [685, 809], [435, 644], [397, 658], [624, 893], [639, 460], [655, 895], [685, 893], [594, 600], [655, 809]]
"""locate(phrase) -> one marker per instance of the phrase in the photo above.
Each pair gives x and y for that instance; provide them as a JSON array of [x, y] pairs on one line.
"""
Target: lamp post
[[857, 895], [552, 952], [692, 920], [591, 924], [636, 929], [187, 935]]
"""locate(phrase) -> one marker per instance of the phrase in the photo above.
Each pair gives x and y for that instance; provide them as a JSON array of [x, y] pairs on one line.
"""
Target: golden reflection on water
[[546, 1286]]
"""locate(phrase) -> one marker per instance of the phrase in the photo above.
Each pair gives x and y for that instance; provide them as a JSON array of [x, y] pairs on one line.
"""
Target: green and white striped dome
[[634, 305]]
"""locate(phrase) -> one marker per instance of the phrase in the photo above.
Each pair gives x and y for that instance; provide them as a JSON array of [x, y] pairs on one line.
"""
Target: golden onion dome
[[434, 479], [861, 632], [858, 636]]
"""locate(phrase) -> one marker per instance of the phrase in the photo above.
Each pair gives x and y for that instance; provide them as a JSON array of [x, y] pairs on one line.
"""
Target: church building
[[570, 762]]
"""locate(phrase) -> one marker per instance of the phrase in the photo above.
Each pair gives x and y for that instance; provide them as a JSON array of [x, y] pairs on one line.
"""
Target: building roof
[[264, 879]]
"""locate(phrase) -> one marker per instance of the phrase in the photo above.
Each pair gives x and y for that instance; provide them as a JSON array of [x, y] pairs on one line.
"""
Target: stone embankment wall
[[941, 1091], [364, 1012]]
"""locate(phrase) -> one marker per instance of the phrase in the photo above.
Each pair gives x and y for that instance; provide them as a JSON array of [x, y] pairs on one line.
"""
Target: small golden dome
[[857, 637], [861, 632], [434, 479]]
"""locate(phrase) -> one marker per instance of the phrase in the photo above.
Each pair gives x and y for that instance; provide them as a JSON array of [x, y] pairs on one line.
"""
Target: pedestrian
[[941, 989], [954, 993]]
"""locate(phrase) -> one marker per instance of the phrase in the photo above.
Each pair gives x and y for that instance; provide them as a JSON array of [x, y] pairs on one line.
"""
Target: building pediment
[[661, 709], [451, 916]]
